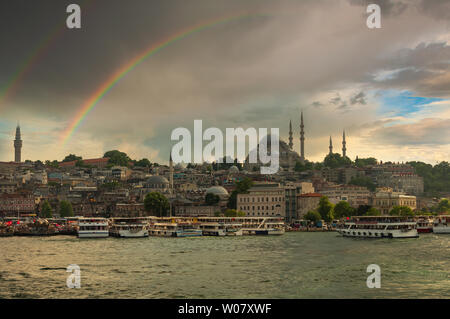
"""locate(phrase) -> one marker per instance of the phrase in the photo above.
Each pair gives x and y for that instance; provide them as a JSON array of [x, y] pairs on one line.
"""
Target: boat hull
[[441, 230], [189, 233], [96, 234], [371, 233], [129, 234]]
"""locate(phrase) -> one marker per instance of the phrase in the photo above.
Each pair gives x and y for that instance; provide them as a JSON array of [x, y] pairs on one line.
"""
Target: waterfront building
[[354, 195], [384, 200], [263, 199], [307, 202], [292, 190], [16, 203]]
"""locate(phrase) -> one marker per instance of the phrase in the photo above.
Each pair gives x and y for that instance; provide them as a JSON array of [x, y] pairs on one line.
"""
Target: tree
[[361, 162], [312, 216], [373, 212], [212, 199], [335, 160], [65, 209], [143, 163], [325, 209], [46, 210], [362, 210], [241, 188], [443, 206], [363, 181], [307, 166], [401, 211], [71, 158], [117, 158], [157, 203], [343, 209]]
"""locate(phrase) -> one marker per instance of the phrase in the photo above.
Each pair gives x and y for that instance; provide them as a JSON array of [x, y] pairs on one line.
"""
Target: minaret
[[331, 146], [171, 173], [344, 148], [302, 139], [291, 144], [18, 146]]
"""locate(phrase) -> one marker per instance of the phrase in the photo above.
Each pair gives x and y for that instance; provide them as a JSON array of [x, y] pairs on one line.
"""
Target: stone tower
[[302, 140], [344, 143], [291, 144], [18, 146], [331, 146]]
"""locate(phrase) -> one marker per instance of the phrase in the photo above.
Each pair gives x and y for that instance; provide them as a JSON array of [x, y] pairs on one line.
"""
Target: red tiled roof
[[311, 195]]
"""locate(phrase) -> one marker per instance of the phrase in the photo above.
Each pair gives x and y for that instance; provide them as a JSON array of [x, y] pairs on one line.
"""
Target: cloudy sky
[[389, 88]]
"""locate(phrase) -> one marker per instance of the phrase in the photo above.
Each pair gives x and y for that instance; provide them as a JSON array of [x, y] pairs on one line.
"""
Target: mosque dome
[[233, 170], [157, 181], [217, 190]]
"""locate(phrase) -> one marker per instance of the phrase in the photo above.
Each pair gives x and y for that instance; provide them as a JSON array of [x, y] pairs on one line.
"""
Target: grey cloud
[[430, 131]]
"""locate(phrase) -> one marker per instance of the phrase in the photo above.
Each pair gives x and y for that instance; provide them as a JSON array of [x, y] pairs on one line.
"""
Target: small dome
[[217, 190], [157, 180], [233, 170]]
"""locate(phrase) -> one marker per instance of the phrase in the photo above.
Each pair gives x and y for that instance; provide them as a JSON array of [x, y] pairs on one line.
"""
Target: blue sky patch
[[402, 103]]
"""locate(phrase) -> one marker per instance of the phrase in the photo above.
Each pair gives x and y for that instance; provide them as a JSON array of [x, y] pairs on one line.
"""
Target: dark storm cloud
[[424, 69]]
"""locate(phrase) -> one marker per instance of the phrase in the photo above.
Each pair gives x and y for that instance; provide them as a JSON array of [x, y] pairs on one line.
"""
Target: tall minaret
[[302, 139], [291, 144], [344, 148], [18, 146], [171, 173], [331, 146]]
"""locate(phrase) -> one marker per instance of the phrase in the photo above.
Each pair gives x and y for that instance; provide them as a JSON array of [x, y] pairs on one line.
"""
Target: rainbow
[[30, 62], [116, 76], [39, 51]]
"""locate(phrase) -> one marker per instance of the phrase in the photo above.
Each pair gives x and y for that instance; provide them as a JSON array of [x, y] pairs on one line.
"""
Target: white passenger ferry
[[233, 229], [92, 227], [129, 227], [442, 224], [424, 224], [163, 229], [379, 227], [264, 226], [213, 229]]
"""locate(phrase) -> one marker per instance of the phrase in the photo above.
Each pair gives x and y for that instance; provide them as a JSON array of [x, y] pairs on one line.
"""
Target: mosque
[[288, 157]]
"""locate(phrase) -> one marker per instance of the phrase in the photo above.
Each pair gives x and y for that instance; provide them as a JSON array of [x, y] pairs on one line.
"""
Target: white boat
[[442, 224], [424, 224], [187, 229], [213, 229], [266, 226], [380, 227], [163, 229], [129, 227], [233, 229], [92, 227]]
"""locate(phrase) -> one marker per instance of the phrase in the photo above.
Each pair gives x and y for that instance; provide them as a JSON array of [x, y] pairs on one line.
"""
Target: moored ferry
[[213, 229], [234, 229], [187, 229], [380, 227], [125, 227], [92, 227], [442, 224], [424, 224], [164, 229]]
